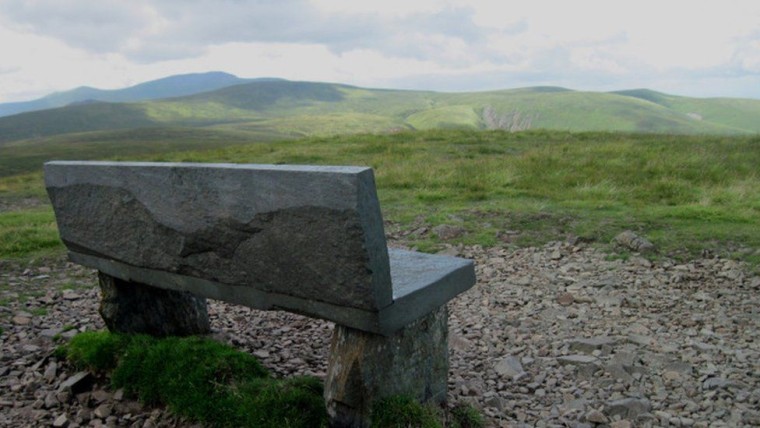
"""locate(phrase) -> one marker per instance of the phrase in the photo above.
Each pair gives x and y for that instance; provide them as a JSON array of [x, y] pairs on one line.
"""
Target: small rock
[[61, 421], [640, 339], [576, 360], [261, 353], [103, 411], [634, 242], [597, 417], [63, 397], [51, 332], [621, 424], [592, 344], [50, 372], [565, 299], [496, 402], [755, 283], [446, 232], [51, 400], [100, 395], [628, 408], [511, 367], [618, 371], [21, 320], [77, 383], [119, 394], [71, 295], [712, 383]]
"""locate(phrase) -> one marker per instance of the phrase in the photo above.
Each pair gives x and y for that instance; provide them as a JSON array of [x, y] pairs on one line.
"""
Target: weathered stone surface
[[299, 238], [447, 231], [130, 307], [577, 360], [589, 345], [628, 408], [310, 232], [634, 242], [366, 367], [79, 382], [510, 367], [61, 421]]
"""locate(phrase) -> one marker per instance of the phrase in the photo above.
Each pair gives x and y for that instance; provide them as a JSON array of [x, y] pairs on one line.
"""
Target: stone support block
[[366, 367], [131, 307]]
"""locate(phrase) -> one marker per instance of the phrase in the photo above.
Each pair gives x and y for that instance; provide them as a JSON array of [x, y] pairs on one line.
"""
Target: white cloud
[[454, 44]]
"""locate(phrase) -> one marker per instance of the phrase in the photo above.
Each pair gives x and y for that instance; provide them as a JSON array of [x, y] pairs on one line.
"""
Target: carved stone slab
[[307, 239]]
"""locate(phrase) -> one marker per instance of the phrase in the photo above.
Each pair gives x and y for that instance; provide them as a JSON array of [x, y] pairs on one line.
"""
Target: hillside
[[172, 86], [279, 108]]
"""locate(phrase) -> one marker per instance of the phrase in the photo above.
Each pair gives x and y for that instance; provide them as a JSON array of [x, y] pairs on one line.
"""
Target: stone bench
[[305, 239]]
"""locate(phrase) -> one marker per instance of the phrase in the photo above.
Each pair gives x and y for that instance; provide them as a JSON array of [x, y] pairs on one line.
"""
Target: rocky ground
[[553, 336]]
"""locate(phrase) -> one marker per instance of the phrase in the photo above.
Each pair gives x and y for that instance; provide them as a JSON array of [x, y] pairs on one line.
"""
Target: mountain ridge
[[284, 109], [166, 87]]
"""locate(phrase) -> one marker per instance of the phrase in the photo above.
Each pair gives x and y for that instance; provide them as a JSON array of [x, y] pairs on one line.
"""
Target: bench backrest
[[311, 232]]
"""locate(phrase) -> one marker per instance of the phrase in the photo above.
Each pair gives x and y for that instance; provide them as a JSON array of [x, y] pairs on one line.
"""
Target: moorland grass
[[27, 232], [200, 379], [686, 193]]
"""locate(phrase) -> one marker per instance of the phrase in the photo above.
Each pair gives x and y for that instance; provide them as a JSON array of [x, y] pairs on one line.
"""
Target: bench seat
[[421, 283]]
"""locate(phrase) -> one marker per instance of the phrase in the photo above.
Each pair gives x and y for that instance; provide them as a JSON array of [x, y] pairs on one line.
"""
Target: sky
[[703, 48]]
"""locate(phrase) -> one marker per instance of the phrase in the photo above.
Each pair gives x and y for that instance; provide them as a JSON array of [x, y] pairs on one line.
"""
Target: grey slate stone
[[634, 242], [589, 345], [365, 367], [267, 227], [628, 408], [306, 239], [128, 307], [510, 367]]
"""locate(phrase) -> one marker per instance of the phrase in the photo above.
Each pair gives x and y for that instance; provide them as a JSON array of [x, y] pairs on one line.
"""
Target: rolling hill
[[172, 86], [274, 108]]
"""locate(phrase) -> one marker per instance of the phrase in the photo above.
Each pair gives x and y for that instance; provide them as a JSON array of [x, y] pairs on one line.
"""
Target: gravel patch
[[552, 336]]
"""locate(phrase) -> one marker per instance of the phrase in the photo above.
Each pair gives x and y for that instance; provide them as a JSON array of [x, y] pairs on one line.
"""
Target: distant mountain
[[168, 87], [274, 108]]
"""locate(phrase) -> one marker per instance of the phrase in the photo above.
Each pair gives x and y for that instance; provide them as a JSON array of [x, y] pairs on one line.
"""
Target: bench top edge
[[348, 169]]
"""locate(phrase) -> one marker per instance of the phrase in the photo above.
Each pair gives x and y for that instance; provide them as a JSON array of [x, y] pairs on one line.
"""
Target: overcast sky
[[696, 48]]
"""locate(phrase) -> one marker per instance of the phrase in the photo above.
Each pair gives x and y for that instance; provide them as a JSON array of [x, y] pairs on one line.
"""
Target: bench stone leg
[[366, 367], [132, 307]]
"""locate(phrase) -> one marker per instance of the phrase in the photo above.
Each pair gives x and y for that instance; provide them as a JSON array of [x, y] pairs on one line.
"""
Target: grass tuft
[[95, 350], [466, 416], [200, 379], [401, 411]]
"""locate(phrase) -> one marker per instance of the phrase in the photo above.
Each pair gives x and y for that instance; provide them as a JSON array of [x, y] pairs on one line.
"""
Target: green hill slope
[[78, 118], [733, 113], [172, 86], [278, 108]]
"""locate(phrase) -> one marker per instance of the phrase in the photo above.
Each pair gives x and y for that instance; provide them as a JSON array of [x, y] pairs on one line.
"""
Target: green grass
[[28, 156], [400, 411], [28, 232], [200, 379], [685, 193]]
